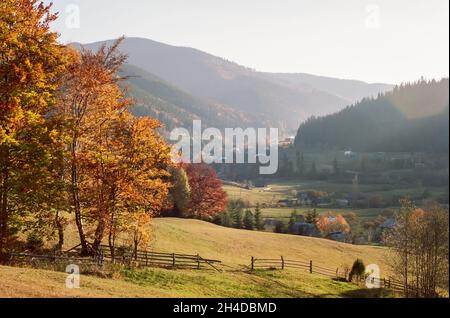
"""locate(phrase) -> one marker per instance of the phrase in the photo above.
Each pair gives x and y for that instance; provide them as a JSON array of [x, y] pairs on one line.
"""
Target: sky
[[384, 41]]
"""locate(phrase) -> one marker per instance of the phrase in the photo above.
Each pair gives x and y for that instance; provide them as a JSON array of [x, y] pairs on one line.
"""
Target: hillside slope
[[412, 118], [233, 247], [158, 283], [175, 108]]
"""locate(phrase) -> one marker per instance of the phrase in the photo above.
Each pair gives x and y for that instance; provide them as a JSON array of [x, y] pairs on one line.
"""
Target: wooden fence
[[189, 261], [160, 259], [396, 286], [282, 263], [141, 259]]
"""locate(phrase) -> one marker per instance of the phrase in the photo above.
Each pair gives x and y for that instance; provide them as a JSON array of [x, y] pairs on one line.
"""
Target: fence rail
[[396, 286], [282, 263], [139, 258], [189, 261], [160, 259]]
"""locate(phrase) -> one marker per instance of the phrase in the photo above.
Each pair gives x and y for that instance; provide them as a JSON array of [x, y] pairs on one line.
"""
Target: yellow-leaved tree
[[117, 164], [31, 65]]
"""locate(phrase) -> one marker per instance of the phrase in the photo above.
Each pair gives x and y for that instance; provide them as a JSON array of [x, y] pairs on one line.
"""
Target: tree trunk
[[135, 250], [99, 232], [76, 201], [111, 239], [4, 213], [60, 228]]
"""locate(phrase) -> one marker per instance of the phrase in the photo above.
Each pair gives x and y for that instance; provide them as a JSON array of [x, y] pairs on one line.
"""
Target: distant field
[[284, 189], [234, 247], [280, 213], [268, 195]]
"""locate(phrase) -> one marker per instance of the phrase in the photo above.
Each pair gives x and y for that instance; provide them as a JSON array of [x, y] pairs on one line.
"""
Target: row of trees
[[419, 243], [70, 146], [238, 215]]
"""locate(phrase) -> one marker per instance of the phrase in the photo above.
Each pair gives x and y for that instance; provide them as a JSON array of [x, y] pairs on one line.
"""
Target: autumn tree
[[138, 232], [90, 102], [419, 247], [141, 186], [180, 193], [31, 64], [118, 165], [130, 182], [207, 196], [330, 224]]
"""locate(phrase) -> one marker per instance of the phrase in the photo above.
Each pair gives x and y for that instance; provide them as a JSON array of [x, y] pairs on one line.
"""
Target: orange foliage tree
[[207, 196], [117, 164], [139, 186], [31, 64], [330, 224], [91, 104]]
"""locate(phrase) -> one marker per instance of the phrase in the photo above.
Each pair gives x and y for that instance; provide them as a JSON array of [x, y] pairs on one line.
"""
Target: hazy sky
[[371, 40]]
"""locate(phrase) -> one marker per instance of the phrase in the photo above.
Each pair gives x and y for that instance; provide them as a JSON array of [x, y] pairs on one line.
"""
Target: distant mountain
[[175, 108], [349, 90], [280, 100], [413, 118]]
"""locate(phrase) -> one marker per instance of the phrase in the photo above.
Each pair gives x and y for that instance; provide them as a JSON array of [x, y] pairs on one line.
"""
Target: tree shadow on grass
[[368, 293]]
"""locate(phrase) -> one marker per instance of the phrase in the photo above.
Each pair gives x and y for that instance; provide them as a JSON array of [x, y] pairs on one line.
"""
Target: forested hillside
[[413, 117], [154, 97]]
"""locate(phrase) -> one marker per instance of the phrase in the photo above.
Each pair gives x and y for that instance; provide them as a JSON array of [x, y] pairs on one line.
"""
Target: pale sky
[[388, 41]]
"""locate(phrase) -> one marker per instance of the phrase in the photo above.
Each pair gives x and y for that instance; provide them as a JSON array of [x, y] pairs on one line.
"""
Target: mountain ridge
[[244, 92]]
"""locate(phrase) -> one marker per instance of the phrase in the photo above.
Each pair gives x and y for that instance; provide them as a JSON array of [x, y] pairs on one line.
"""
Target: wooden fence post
[[146, 258], [173, 259], [198, 261], [253, 263], [282, 262], [310, 267], [337, 272]]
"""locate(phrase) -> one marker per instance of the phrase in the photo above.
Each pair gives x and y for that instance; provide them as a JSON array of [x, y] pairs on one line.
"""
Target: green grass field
[[156, 283], [233, 247], [285, 189], [268, 195], [284, 213]]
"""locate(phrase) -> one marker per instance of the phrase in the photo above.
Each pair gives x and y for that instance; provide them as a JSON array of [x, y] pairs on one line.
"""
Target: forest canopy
[[411, 118]]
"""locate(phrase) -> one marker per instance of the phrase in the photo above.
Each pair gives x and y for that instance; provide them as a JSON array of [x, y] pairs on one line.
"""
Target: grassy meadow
[[233, 247]]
